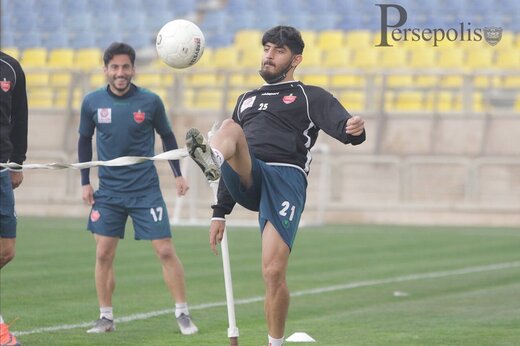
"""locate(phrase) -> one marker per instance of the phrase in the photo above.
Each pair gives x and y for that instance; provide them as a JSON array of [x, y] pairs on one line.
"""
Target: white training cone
[[300, 337]]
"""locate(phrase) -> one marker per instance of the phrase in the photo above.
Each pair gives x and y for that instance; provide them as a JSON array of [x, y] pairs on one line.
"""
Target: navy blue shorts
[[278, 193], [149, 216], [7, 213]]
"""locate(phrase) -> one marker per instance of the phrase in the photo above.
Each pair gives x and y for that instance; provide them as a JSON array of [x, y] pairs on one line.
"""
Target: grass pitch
[[350, 285]]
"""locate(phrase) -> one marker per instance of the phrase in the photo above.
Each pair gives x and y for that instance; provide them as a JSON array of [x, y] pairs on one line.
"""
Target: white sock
[[106, 312], [275, 342], [1, 319], [218, 156], [181, 308]]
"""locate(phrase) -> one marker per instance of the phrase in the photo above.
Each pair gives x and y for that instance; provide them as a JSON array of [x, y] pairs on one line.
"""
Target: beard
[[274, 76], [121, 87]]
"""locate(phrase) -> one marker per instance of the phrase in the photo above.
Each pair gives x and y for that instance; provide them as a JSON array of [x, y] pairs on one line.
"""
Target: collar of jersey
[[130, 92], [280, 83]]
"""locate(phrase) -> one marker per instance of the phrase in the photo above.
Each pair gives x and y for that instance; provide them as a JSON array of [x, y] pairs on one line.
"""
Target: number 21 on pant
[[285, 207]]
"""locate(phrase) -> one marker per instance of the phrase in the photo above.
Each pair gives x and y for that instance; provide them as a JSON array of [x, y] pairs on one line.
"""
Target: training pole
[[228, 283]]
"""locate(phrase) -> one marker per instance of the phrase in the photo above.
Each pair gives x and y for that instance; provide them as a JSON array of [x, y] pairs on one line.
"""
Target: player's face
[[275, 60], [119, 72]]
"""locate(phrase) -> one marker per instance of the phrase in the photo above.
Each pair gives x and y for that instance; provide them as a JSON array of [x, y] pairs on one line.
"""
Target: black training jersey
[[13, 111], [281, 121], [281, 124]]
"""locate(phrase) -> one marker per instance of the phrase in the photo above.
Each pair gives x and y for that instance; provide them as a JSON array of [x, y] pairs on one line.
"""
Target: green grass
[[343, 278]]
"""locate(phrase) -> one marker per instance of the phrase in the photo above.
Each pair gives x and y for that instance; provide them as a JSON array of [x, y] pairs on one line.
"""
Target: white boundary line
[[348, 286]]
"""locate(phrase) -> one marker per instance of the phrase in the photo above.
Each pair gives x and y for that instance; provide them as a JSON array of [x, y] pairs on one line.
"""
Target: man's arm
[[170, 143], [85, 155], [19, 115]]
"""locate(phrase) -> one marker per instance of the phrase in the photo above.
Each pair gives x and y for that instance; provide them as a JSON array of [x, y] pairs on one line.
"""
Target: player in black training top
[[263, 156], [13, 147]]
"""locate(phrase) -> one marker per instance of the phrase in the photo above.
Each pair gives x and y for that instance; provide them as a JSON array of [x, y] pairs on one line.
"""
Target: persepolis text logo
[[463, 31]]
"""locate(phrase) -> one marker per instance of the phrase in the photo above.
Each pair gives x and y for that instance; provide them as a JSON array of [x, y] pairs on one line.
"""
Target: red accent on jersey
[[139, 117], [5, 85]]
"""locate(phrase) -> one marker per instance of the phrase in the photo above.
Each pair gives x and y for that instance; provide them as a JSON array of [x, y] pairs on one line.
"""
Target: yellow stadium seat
[[353, 101], [232, 97], [312, 58], [507, 41], [511, 82], [208, 99], [367, 57], [339, 57], [253, 80], [40, 98], [97, 80], [443, 101], [410, 101], [310, 39], [422, 58], [88, 59], [12, 51], [392, 57], [248, 40], [479, 59], [508, 59], [359, 38], [330, 39], [321, 80], [34, 57], [206, 60], [148, 80], [61, 58], [346, 80], [225, 57], [61, 79], [202, 79], [451, 58], [37, 79], [250, 58]]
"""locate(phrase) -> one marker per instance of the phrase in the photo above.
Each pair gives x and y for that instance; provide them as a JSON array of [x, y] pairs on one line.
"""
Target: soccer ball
[[180, 43]]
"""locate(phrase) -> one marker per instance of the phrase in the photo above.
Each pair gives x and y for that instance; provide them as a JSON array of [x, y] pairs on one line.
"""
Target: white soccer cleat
[[102, 325], [186, 325]]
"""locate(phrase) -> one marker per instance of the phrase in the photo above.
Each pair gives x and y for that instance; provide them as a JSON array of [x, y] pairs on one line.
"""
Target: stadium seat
[[339, 57], [340, 81], [209, 99], [353, 101], [366, 57], [310, 39], [312, 58], [250, 58], [40, 98], [148, 80], [321, 80], [88, 58], [508, 59], [359, 38], [37, 79], [61, 58], [248, 40], [225, 57], [34, 57], [202, 79], [410, 101], [330, 39]]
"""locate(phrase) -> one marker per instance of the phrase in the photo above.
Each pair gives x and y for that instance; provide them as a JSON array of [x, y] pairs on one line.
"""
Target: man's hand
[[355, 126], [88, 194], [16, 178], [216, 233], [181, 185]]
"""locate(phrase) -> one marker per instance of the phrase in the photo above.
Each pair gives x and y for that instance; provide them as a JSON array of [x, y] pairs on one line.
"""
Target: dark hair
[[284, 36], [117, 48]]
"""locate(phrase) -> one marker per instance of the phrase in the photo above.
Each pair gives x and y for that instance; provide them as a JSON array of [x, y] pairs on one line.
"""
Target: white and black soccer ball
[[180, 43]]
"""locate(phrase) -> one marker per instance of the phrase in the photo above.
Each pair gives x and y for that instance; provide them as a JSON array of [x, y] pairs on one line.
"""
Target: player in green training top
[[125, 118]]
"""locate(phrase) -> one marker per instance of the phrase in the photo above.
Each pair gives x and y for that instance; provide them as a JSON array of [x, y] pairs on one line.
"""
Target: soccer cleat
[[201, 153], [6, 338], [102, 325], [186, 325]]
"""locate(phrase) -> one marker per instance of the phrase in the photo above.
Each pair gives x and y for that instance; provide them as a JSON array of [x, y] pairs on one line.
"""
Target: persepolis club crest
[[289, 99], [139, 116], [94, 215], [5, 85], [492, 34]]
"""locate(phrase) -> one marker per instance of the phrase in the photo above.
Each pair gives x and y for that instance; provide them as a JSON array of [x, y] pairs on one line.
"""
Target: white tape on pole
[[120, 161]]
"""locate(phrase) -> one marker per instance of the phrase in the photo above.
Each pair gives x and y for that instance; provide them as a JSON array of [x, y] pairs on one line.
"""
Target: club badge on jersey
[[139, 116], [104, 115], [5, 85], [289, 99]]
